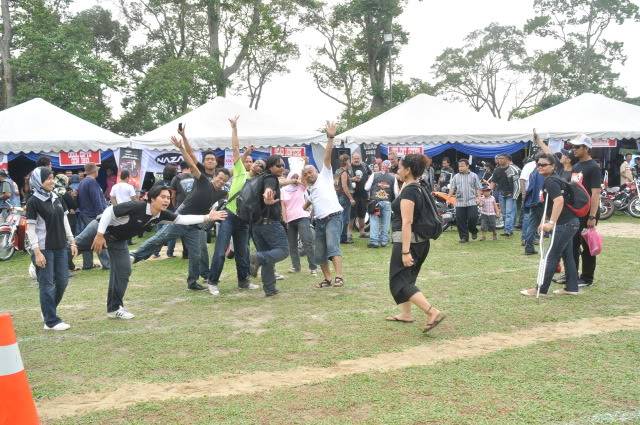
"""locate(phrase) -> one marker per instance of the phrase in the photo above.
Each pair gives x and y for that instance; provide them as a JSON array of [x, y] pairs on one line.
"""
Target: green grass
[[179, 335]]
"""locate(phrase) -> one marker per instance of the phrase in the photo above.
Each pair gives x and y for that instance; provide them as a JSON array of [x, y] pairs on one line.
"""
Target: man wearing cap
[[91, 203], [587, 173]]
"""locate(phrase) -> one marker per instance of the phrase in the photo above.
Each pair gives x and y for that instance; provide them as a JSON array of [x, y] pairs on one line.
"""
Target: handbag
[[593, 239]]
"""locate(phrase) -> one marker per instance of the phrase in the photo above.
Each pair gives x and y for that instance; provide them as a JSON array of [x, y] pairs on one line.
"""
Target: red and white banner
[[604, 143], [70, 159], [4, 162], [289, 152], [402, 150]]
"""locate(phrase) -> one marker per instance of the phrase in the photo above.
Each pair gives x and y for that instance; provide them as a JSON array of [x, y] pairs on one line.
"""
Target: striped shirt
[[466, 187]]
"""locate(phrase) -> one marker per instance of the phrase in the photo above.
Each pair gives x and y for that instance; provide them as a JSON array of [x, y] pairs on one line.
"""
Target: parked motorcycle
[[13, 233], [634, 203], [446, 208], [620, 198]]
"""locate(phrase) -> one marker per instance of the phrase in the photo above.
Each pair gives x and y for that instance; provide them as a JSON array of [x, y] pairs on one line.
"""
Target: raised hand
[[177, 143], [269, 197], [234, 121], [331, 129], [182, 131]]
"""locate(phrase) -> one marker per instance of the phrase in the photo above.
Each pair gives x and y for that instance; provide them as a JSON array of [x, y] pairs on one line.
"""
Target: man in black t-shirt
[[360, 173], [269, 236], [205, 193], [586, 172]]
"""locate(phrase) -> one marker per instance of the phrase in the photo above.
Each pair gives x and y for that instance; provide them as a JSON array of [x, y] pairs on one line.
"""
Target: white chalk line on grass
[[129, 394]]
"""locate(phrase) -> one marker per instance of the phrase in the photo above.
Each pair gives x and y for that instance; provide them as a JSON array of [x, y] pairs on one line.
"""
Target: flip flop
[[395, 319], [435, 323]]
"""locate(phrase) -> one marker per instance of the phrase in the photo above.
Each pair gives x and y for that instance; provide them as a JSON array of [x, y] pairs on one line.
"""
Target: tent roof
[[593, 114], [38, 126], [208, 127], [428, 120]]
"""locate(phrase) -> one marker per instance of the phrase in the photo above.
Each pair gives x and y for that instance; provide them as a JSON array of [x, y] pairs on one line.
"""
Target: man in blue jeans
[[91, 203], [269, 235], [233, 226], [382, 188], [505, 181]]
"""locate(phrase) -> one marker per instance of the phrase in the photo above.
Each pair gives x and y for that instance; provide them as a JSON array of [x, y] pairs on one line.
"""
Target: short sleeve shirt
[[553, 189], [123, 192], [528, 168], [588, 174], [182, 184], [240, 176], [502, 181], [133, 218], [323, 195], [203, 195], [409, 192], [48, 217]]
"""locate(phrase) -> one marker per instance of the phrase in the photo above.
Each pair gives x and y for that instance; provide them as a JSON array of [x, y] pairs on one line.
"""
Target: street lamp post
[[388, 39]]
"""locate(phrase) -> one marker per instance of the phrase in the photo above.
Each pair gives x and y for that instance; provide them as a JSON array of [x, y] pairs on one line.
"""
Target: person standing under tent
[[383, 189], [466, 187], [91, 203]]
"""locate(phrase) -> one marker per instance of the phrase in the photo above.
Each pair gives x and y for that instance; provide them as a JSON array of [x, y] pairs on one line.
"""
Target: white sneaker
[[213, 290], [314, 272], [120, 313], [59, 327], [279, 277], [294, 270], [252, 286]]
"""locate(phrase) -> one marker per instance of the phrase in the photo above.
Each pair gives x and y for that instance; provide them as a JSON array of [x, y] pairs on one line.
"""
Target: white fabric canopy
[[592, 114], [428, 120], [208, 127], [38, 126]]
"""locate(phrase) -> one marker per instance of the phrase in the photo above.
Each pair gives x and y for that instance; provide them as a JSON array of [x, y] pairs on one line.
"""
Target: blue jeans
[[301, 227], [192, 237], [327, 243], [346, 216], [171, 245], [84, 241], [509, 211], [532, 218], [82, 221], [271, 242], [237, 229], [380, 225], [52, 281], [562, 248]]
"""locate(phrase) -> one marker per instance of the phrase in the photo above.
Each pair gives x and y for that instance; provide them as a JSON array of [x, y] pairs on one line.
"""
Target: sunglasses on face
[[279, 165], [542, 165]]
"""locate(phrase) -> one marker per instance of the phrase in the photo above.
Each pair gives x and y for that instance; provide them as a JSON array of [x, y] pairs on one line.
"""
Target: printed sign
[[4, 162], [131, 160], [289, 152], [228, 159], [402, 150], [71, 159], [604, 143]]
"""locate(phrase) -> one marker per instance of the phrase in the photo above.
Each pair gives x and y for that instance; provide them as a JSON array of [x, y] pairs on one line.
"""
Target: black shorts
[[359, 210]]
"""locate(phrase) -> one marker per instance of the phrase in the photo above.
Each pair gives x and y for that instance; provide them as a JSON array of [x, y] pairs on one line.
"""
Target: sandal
[[324, 284], [338, 282], [429, 326], [397, 319]]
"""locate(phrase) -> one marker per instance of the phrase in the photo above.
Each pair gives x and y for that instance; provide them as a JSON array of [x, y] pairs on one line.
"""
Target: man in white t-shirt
[[122, 191], [327, 213], [527, 169]]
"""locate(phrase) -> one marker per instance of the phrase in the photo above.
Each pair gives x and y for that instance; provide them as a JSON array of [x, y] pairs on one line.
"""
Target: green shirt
[[240, 176]]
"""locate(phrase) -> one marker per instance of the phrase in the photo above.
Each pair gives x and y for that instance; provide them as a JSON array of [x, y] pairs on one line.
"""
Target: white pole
[[542, 266]]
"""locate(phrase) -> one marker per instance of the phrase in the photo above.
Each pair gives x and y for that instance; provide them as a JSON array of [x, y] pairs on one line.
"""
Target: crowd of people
[[309, 212]]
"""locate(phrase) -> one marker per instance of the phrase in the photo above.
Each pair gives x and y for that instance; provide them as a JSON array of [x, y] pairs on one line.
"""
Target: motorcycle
[[446, 208], [13, 233], [620, 198]]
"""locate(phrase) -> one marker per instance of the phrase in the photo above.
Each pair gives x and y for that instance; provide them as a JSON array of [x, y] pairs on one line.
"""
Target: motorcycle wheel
[[634, 207], [606, 209], [6, 246]]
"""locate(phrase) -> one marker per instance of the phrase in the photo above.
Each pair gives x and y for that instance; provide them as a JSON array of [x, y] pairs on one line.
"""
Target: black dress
[[402, 280]]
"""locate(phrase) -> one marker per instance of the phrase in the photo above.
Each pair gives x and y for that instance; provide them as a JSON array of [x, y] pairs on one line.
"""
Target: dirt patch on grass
[[620, 230], [250, 320], [423, 355]]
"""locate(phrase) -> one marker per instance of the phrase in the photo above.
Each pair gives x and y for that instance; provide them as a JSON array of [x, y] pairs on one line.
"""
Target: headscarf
[[290, 188], [38, 176], [60, 187]]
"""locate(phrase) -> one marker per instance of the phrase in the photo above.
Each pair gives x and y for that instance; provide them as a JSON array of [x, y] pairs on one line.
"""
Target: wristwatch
[[591, 217]]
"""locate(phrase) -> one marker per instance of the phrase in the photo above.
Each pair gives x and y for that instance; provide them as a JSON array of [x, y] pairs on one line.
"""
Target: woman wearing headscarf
[[49, 233], [298, 223]]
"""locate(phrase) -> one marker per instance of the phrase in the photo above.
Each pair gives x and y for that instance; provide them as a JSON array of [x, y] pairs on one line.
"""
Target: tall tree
[[5, 53], [584, 61]]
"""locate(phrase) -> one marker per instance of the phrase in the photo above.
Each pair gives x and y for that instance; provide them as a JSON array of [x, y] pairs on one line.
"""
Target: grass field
[[179, 337]]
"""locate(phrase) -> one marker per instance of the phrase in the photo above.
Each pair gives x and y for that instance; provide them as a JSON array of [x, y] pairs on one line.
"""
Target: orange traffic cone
[[16, 404]]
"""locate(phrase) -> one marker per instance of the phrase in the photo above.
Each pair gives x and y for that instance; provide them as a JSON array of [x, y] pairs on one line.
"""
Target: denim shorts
[[327, 244]]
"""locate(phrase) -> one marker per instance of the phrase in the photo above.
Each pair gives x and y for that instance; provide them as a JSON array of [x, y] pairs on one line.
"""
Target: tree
[[584, 60], [5, 55], [493, 70]]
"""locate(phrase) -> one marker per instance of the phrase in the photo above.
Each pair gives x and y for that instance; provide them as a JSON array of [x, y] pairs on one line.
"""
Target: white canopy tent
[[427, 120], [38, 126], [592, 114], [208, 127]]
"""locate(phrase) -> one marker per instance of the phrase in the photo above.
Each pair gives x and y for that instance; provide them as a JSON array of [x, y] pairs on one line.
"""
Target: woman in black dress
[[409, 250]]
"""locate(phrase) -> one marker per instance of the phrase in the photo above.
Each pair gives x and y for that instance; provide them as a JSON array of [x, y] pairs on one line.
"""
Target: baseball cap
[[580, 140]]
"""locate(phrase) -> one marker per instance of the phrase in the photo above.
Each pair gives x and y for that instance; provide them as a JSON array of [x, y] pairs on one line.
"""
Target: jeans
[[466, 221], [192, 237], [380, 225], [203, 264], [84, 241], [52, 281], [302, 227], [532, 218], [581, 250], [119, 274], [509, 211], [327, 243], [562, 248], [87, 255], [271, 242], [171, 245], [237, 229], [346, 216]]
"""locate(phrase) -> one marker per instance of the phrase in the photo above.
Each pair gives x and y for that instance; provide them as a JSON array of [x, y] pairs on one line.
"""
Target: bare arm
[[331, 134], [406, 212], [544, 148], [344, 181], [235, 141], [190, 160], [114, 201]]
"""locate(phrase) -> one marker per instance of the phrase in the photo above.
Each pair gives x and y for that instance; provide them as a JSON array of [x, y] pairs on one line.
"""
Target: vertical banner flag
[[74, 159], [402, 150], [369, 152], [131, 160]]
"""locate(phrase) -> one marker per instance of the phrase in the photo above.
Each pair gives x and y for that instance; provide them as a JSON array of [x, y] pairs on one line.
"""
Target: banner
[[604, 143], [155, 161], [369, 151], [4, 162], [228, 159], [73, 159], [402, 150], [131, 160], [289, 152]]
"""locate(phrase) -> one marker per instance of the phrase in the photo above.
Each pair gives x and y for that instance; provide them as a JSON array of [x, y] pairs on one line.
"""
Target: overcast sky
[[432, 26]]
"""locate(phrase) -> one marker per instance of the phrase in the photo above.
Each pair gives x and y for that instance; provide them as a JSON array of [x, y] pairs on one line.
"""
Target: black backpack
[[428, 224], [248, 199]]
